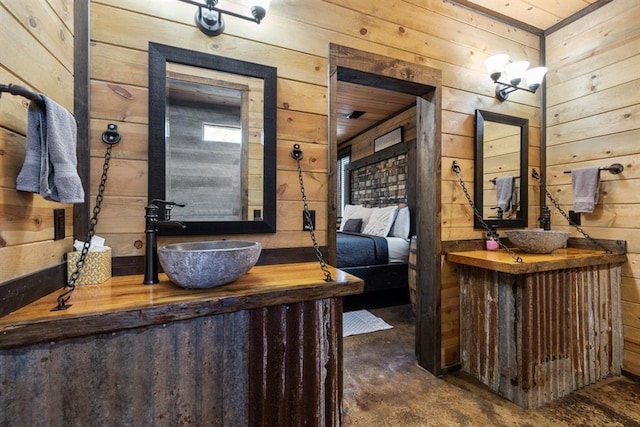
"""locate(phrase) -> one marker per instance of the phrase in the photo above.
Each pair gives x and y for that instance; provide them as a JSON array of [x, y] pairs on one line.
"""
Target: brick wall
[[383, 183]]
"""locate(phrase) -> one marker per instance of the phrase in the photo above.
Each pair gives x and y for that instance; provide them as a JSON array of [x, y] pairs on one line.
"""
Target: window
[[221, 133], [343, 181]]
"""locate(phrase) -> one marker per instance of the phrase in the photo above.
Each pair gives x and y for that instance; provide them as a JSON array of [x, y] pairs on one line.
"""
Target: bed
[[381, 191], [373, 244]]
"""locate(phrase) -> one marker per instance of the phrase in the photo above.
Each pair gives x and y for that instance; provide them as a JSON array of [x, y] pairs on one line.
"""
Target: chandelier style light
[[509, 75]]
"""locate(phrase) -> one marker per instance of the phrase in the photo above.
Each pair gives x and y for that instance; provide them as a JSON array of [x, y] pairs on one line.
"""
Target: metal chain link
[[73, 278], [456, 169], [543, 186], [297, 155]]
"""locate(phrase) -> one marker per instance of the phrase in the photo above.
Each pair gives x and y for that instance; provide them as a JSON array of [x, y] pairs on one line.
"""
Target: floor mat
[[361, 322]]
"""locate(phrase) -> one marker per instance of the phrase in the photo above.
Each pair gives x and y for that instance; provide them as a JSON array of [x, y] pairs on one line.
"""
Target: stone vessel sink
[[199, 265], [538, 241]]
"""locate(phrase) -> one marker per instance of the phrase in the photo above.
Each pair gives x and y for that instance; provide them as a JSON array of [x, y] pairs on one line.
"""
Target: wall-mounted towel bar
[[615, 169], [493, 181], [22, 91]]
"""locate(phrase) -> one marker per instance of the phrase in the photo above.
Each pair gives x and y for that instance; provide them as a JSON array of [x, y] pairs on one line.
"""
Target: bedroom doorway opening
[[349, 66]]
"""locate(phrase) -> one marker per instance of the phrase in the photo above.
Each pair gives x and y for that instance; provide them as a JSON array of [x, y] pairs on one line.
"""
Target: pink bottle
[[492, 245], [492, 240]]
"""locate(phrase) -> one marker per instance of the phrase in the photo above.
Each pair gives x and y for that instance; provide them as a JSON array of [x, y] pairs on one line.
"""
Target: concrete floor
[[384, 386]]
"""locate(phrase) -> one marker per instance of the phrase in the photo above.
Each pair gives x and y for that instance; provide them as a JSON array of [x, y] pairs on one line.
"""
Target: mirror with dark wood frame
[[501, 165], [212, 141]]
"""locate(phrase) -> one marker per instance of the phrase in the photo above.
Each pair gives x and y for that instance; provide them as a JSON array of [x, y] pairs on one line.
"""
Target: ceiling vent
[[354, 114]]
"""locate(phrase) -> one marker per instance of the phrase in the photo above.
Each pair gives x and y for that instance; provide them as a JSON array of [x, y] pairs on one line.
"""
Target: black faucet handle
[[166, 203], [545, 219], [166, 207], [500, 211]]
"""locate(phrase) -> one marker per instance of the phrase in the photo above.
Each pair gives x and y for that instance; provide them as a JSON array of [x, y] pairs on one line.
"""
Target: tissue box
[[97, 266]]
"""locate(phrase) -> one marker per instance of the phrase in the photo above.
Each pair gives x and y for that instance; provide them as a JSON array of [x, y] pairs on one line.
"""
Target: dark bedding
[[355, 249]]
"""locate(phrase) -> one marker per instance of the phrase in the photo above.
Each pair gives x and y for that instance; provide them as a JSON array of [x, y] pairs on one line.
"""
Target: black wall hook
[[296, 153], [111, 135]]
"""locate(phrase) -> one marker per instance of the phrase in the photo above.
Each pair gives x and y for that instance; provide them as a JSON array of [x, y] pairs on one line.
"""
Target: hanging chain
[[543, 186], [296, 153], [458, 172], [110, 137]]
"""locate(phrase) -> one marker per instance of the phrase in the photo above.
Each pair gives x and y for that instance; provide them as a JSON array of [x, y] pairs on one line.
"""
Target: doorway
[[348, 64]]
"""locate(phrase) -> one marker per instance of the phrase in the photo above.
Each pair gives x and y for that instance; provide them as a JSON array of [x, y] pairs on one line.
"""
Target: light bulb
[[534, 77], [516, 71], [495, 65]]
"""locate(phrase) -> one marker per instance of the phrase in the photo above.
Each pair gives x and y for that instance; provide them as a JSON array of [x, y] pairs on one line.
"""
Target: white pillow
[[402, 224], [380, 221], [355, 211]]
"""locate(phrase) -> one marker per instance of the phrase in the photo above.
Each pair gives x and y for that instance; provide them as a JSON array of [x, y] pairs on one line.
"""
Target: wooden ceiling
[[381, 104], [377, 105], [541, 14]]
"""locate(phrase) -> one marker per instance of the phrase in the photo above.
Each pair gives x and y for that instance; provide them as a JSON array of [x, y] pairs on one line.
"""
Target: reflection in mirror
[[213, 144], [212, 141], [501, 169], [501, 161]]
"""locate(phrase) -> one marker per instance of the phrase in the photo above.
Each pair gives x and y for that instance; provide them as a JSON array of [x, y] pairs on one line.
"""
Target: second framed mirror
[[501, 165]]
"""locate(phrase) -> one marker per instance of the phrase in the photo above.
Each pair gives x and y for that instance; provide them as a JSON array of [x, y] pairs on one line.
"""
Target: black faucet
[[500, 214], [152, 223], [545, 219]]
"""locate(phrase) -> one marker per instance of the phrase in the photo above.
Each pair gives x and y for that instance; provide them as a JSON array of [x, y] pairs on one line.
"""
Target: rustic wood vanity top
[[532, 263], [124, 302]]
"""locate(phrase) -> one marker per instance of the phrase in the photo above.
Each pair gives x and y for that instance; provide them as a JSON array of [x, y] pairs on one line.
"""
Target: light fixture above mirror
[[508, 75], [209, 19]]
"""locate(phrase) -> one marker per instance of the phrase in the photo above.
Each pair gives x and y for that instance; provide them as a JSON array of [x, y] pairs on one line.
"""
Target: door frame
[[428, 343]]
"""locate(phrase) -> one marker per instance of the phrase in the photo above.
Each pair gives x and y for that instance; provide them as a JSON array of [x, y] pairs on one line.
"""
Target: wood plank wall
[[36, 36], [294, 38], [122, 30], [591, 116], [593, 120]]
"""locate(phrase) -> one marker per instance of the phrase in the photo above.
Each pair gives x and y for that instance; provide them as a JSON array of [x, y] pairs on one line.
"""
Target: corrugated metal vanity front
[[538, 330], [264, 350]]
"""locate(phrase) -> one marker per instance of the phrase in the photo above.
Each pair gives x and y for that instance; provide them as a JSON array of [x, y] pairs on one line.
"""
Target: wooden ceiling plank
[[521, 11]]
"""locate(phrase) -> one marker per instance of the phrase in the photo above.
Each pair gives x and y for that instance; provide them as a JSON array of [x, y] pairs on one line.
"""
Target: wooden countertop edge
[[563, 262], [51, 329], [27, 333]]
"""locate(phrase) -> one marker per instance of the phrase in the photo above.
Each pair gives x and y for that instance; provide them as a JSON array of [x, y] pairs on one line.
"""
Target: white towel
[[50, 163], [506, 193], [586, 183]]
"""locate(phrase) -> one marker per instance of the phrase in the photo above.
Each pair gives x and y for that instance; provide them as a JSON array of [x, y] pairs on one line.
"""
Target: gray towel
[[50, 162], [506, 193], [29, 176], [586, 183]]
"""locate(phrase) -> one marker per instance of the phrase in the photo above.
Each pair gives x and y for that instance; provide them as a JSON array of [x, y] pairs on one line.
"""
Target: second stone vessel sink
[[198, 265], [538, 241]]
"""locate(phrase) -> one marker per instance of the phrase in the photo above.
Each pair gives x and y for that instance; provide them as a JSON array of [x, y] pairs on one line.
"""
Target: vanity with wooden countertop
[[264, 350], [538, 330]]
